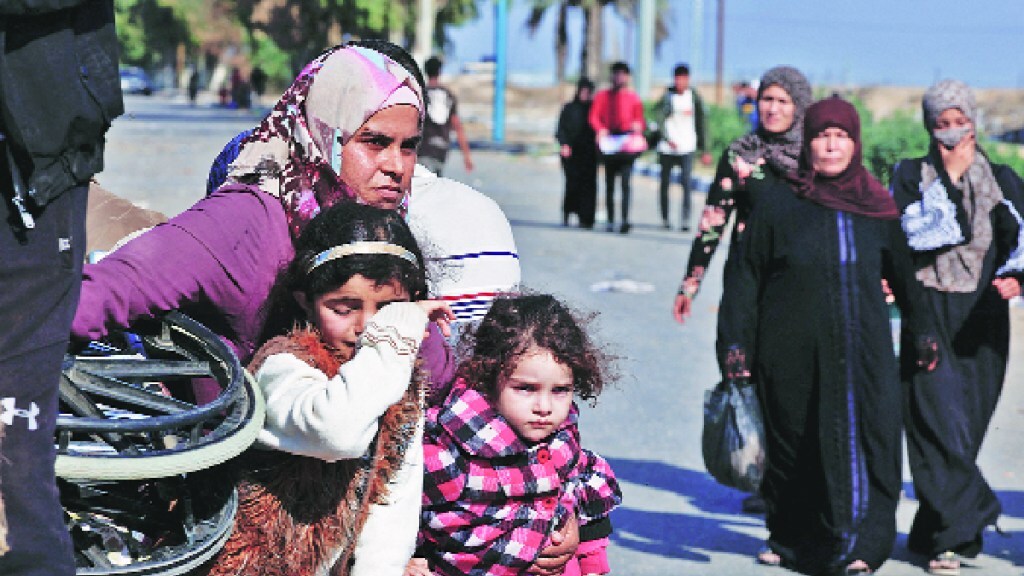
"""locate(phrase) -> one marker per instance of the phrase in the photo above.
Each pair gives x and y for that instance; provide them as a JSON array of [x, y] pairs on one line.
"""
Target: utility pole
[[425, 16], [719, 52], [500, 68], [696, 37], [644, 46]]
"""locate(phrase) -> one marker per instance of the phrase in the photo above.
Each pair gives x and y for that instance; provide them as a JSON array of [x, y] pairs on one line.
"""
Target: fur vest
[[301, 516]]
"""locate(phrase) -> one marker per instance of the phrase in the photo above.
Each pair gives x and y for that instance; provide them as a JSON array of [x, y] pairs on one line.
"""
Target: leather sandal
[[767, 557], [945, 564], [857, 568]]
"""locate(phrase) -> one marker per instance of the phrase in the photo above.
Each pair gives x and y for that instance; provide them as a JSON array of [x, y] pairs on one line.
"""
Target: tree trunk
[[561, 41], [591, 53]]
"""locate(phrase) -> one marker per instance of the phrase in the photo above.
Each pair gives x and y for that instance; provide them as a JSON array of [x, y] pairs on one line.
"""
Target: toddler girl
[[338, 491], [503, 463]]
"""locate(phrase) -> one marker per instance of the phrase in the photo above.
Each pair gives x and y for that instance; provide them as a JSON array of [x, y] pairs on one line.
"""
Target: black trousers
[[40, 277], [621, 166], [685, 164]]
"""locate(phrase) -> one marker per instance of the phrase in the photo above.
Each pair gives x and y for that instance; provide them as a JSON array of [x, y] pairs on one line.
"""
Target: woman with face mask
[[962, 217], [806, 308]]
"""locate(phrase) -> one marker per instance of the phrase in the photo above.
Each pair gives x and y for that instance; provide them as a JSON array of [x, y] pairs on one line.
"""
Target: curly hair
[[338, 225], [515, 324]]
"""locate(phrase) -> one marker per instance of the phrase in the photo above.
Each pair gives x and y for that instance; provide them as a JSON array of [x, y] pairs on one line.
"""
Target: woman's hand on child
[[417, 567], [552, 560], [439, 312], [1008, 287]]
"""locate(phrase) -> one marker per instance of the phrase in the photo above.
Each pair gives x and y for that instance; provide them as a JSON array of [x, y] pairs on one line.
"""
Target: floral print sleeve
[[721, 201]]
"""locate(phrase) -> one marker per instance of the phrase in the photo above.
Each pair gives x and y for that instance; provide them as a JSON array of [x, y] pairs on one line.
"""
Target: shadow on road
[[717, 526]]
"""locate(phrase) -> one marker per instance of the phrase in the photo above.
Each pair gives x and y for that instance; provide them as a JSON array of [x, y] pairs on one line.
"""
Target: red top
[[617, 111]]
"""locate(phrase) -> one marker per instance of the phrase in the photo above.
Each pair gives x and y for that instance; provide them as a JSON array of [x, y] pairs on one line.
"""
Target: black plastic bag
[[733, 438]]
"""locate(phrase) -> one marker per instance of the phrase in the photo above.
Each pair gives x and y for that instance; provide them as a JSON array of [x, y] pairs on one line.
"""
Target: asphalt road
[[675, 518]]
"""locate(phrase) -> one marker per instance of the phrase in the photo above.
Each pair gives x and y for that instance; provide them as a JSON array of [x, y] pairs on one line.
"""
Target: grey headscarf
[[945, 95], [780, 151]]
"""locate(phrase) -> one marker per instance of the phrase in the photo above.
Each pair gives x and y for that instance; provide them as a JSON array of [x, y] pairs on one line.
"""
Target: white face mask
[[950, 137]]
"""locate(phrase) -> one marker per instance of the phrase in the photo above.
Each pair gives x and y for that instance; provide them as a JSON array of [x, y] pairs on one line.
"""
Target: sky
[[861, 42]]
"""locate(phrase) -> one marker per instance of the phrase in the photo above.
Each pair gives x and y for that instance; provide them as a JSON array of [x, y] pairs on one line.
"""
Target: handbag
[[732, 441]]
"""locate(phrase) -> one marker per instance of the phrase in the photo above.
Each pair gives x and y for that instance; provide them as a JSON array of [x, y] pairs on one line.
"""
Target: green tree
[[149, 31]]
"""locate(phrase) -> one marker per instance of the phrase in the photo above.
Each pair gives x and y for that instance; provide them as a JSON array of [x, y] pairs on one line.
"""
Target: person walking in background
[[578, 152], [805, 304], [961, 215], [193, 85], [617, 117], [680, 118], [746, 103], [441, 119], [59, 91], [258, 79], [782, 98]]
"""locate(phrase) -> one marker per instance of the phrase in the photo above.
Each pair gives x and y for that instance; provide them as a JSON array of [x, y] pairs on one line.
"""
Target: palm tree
[[593, 39]]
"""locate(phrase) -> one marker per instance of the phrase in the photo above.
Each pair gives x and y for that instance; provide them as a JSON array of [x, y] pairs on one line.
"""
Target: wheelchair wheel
[[138, 528], [119, 420]]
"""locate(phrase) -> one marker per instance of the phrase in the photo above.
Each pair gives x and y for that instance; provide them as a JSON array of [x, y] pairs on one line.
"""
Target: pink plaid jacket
[[489, 499]]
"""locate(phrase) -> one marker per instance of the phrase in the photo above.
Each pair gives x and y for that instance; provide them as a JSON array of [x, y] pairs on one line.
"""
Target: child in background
[[503, 463], [339, 489]]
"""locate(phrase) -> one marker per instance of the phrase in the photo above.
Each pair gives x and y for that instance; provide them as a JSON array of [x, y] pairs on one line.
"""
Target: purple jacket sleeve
[[217, 260], [437, 360]]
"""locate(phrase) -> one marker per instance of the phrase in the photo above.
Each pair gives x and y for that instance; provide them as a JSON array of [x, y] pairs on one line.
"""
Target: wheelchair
[[138, 460]]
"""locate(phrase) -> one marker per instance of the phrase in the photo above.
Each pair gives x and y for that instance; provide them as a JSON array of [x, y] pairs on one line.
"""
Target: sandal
[[767, 557], [857, 568], [945, 564]]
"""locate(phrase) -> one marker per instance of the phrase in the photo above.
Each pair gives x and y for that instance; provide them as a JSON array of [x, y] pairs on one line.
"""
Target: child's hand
[[417, 567], [439, 312]]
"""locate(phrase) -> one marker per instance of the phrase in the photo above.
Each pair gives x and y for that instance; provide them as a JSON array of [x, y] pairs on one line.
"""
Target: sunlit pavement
[[675, 519]]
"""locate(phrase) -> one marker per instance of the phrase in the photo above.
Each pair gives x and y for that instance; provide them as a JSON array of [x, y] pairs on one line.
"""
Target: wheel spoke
[[131, 394]]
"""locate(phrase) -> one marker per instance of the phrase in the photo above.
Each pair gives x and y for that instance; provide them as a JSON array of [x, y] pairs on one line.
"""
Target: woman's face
[[831, 152], [378, 161], [951, 118], [776, 109]]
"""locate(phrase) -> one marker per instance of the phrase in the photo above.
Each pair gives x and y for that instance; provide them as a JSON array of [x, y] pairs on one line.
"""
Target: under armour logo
[[9, 412]]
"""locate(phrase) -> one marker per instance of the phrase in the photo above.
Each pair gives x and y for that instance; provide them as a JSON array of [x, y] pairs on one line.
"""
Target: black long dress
[[581, 167], [805, 302], [948, 410]]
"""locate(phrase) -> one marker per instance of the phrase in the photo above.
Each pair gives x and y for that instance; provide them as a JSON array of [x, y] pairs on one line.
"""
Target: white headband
[[361, 248]]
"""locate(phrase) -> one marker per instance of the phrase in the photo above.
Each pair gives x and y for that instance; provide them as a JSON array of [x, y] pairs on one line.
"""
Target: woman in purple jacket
[[346, 130]]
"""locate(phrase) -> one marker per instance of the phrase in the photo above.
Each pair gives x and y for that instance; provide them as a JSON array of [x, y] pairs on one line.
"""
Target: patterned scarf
[[959, 268], [780, 151], [295, 152]]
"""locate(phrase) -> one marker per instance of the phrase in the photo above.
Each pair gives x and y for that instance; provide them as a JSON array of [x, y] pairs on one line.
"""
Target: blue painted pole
[[500, 67]]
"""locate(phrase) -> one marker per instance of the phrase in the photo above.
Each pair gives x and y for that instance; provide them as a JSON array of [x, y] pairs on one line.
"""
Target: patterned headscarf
[[780, 151], [945, 95], [295, 153]]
